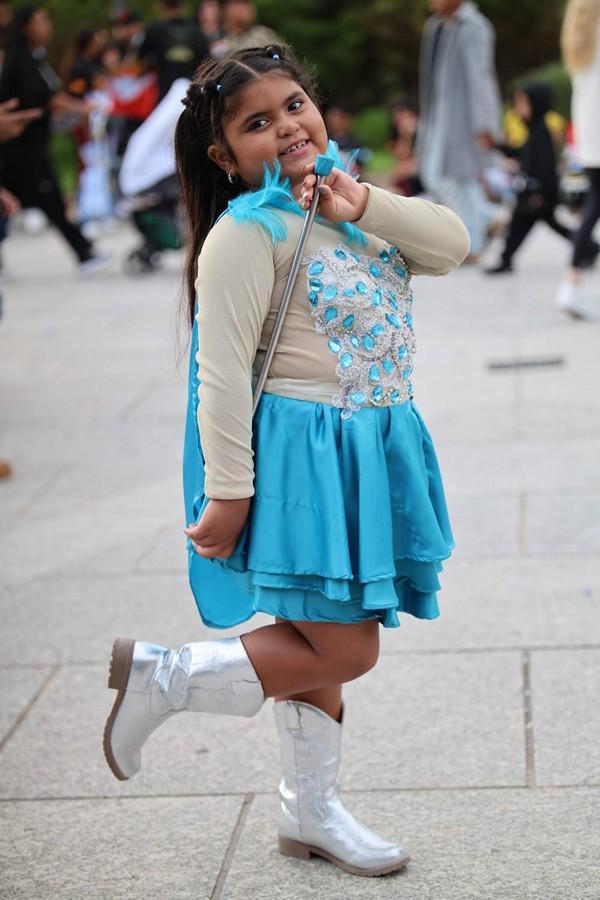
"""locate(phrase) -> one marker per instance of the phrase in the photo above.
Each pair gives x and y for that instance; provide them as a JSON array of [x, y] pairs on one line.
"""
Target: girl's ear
[[218, 155]]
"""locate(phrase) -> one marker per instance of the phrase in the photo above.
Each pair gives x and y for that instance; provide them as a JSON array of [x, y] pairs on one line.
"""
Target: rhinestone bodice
[[364, 306]]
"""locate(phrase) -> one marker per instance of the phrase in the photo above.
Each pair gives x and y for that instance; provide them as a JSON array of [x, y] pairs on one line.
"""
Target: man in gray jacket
[[460, 110]]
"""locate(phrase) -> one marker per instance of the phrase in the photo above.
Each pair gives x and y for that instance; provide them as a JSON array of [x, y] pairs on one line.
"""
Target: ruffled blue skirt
[[348, 522]]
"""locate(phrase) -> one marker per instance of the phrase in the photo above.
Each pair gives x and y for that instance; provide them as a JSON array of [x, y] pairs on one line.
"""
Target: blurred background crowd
[[470, 104]]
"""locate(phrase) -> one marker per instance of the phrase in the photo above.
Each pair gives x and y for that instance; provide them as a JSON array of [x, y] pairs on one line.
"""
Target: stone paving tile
[[435, 720], [484, 524], [515, 602], [566, 727], [17, 689], [563, 522], [138, 849], [467, 845], [75, 619]]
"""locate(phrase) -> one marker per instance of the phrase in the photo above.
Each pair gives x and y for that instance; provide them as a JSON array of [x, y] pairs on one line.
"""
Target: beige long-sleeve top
[[242, 273]]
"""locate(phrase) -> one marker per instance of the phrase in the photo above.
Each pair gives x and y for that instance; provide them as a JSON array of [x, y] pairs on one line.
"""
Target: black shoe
[[499, 269]]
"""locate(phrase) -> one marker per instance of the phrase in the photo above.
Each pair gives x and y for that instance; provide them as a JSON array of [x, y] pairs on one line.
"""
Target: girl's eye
[[296, 105], [258, 123]]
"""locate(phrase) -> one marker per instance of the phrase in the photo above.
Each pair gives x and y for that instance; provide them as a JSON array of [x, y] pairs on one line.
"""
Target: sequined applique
[[364, 306]]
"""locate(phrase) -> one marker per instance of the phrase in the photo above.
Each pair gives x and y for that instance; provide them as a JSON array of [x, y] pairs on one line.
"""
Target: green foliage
[[372, 126]]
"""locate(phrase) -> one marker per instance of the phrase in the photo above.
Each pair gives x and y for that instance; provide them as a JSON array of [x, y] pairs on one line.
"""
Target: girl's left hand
[[342, 198]]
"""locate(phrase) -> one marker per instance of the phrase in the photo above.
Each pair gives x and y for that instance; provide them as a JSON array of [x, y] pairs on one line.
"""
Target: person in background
[[12, 124], [209, 18], [174, 46], [84, 71], [460, 111], [580, 41], [26, 170], [339, 120], [127, 31], [241, 30], [402, 144], [536, 183]]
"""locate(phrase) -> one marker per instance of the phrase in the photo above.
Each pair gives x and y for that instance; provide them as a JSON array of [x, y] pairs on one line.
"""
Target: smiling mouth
[[295, 148]]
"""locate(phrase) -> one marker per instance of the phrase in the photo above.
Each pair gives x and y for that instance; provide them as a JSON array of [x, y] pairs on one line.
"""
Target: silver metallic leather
[[310, 810], [209, 676]]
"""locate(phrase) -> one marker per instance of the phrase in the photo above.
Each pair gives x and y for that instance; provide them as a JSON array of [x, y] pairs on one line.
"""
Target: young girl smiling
[[326, 510]]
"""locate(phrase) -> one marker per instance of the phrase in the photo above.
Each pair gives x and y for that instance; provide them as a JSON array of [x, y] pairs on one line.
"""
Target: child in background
[[325, 509], [402, 144], [536, 185], [339, 121]]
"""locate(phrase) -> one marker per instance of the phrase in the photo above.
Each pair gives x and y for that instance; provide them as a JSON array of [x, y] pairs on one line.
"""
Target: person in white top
[[580, 42]]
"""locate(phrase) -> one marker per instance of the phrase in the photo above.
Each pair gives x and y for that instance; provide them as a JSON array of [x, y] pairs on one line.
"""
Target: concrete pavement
[[481, 751]]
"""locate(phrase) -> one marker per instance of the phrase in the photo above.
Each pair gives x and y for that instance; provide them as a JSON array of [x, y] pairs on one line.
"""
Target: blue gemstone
[[330, 313], [368, 342], [393, 304], [409, 387], [393, 251], [402, 351], [349, 292], [388, 365], [334, 345], [316, 267], [400, 270], [341, 254], [348, 322], [406, 372], [376, 297], [374, 374], [313, 297], [358, 397], [346, 359], [377, 330], [354, 341], [315, 284], [375, 270], [395, 396], [355, 257], [377, 394], [393, 320], [409, 320], [384, 256], [330, 292], [361, 287]]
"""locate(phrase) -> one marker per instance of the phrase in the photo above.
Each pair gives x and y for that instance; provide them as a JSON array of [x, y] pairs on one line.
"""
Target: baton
[[323, 167]]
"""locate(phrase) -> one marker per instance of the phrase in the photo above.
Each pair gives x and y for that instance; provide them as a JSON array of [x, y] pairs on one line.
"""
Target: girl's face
[[274, 120], [38, 30], [522, 106]]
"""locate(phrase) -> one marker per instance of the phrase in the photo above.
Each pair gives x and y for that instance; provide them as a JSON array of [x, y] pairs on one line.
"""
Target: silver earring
[[232, 177]]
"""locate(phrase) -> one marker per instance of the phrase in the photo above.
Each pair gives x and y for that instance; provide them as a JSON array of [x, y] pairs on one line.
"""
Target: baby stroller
[[148, 182]]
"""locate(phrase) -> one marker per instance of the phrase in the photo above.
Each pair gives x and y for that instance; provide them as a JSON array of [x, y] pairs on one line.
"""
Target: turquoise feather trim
[[275, 193]]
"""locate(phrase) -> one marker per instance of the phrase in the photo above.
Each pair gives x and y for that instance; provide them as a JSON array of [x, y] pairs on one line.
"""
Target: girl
[[327, 511], [580, 42]]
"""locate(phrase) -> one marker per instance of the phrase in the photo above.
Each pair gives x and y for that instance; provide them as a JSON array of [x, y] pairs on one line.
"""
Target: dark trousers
[[591, 214], [523, 220], [33, 182]]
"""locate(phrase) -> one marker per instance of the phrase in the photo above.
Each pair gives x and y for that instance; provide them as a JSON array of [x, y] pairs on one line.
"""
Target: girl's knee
[[360, 657]]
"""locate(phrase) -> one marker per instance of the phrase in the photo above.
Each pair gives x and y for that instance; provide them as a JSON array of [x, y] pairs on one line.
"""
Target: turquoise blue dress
[[348, 522]]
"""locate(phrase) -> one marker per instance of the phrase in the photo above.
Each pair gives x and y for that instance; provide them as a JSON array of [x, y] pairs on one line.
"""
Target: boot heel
[[288, 847], [120, 664]]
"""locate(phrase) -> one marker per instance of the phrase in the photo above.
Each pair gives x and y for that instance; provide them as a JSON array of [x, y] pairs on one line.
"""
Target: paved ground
[[476, 741]]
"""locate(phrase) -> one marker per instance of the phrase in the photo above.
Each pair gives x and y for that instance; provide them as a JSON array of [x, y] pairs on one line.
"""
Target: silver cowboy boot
[[154, 683], [312, 819]]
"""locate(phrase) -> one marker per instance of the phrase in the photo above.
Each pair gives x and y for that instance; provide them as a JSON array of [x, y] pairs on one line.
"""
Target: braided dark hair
[[209, 104]]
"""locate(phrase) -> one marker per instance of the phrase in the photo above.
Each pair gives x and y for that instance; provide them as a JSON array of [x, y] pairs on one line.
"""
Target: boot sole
[[288, 847], [118, 676]]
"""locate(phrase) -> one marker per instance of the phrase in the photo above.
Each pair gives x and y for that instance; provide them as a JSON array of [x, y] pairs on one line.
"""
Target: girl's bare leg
[[309, 661]]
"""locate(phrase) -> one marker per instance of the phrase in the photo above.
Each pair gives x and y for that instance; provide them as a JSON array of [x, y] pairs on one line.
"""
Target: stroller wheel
[[140, 262]]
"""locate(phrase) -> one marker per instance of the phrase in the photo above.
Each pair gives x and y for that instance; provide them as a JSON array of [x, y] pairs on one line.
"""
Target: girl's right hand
[[342, 198], [219, 528]]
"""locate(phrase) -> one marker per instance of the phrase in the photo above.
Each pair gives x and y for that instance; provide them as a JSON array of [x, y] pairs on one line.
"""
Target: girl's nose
[[288, 126]]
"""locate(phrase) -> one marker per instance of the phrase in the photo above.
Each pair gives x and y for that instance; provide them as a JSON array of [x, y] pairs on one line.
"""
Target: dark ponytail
[[209, 102]]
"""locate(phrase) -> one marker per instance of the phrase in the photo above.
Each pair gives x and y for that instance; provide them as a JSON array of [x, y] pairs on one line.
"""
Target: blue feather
[[275, 193]]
